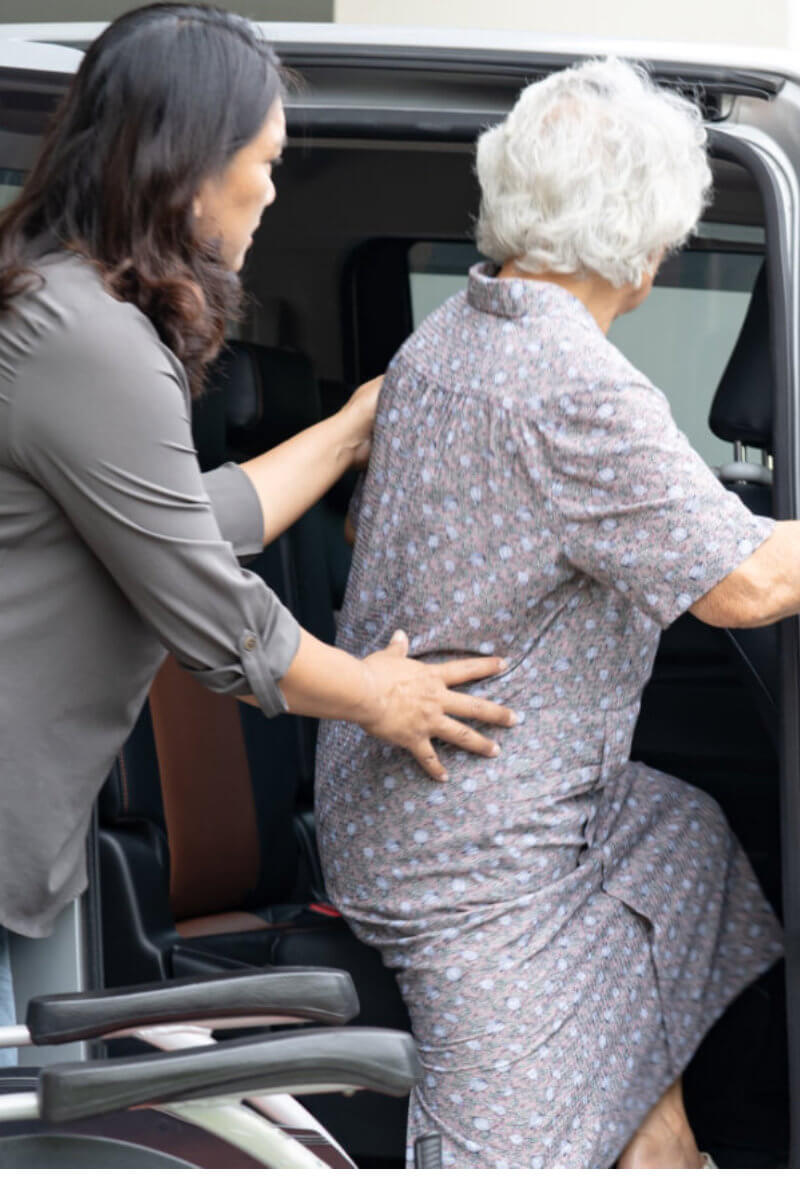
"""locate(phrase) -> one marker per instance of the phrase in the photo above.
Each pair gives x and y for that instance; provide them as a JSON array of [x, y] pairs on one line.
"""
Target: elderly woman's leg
[[664, 1139]]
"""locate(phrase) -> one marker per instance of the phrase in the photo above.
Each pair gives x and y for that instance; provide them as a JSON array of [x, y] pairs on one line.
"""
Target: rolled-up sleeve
[[237, 508], [104, 429]]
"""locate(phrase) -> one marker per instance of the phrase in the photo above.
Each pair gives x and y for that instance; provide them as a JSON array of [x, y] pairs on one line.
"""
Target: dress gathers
[[566, 924]]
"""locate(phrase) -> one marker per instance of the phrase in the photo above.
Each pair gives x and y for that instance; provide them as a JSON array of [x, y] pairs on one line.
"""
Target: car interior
[[207, 858]]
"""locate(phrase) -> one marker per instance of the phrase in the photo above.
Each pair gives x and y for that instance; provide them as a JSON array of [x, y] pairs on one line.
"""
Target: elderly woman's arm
[[636, 508], [763, 589]]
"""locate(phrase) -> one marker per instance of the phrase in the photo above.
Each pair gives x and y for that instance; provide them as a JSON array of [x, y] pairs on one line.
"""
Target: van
[[202, 853]]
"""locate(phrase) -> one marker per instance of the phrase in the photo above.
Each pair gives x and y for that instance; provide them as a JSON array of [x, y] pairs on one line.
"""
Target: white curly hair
[[595, 169]]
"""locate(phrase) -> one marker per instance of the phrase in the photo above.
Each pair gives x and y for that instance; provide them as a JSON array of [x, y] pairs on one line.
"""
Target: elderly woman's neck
[[602, 299]]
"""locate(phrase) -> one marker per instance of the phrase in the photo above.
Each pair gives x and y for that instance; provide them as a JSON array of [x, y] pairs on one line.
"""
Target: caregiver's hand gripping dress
[[568, 924]]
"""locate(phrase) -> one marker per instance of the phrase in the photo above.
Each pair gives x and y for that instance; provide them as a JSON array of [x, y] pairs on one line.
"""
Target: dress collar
[[515, 298]]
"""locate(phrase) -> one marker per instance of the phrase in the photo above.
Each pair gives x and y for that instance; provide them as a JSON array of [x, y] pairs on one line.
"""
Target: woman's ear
[[197, 208]]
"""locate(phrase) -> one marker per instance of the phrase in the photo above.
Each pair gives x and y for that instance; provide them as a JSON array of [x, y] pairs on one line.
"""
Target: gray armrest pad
[[378, 1059], [312, 993]]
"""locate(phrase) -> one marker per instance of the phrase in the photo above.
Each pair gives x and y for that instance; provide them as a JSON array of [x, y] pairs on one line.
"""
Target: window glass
[[10, 185], [681, 337], [436, 271]]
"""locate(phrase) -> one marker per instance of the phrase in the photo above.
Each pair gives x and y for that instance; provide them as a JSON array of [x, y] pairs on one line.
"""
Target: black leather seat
[[207, 852]]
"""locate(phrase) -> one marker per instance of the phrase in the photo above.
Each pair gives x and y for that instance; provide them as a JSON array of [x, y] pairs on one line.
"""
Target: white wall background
[[748, 22]]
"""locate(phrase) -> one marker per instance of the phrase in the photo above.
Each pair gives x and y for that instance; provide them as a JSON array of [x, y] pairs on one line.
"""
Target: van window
[[681, 338], [10, 185]]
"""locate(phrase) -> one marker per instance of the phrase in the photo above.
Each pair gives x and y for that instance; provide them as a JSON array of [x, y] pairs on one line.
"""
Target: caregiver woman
[[117, 273]]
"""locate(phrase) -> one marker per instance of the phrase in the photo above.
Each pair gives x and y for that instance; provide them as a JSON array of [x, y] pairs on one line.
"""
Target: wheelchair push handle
[[317, 994]]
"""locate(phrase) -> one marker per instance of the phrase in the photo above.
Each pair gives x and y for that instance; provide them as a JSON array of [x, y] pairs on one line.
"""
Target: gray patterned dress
[[567, 924]]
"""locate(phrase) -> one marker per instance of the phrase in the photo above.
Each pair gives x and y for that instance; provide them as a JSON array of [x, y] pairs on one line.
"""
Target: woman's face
[[228, 207]]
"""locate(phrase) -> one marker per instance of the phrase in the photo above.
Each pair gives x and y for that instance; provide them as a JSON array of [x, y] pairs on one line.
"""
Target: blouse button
[[249, 641]]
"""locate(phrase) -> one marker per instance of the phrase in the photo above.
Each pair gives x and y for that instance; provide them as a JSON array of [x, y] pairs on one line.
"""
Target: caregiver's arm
[[763, 589], [293, 476]]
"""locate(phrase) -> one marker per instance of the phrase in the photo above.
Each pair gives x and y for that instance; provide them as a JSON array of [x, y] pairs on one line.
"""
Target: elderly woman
[[567, 925]]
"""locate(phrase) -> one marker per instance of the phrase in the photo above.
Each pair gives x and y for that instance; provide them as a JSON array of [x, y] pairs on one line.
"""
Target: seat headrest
[[742, 408], [266, 395]]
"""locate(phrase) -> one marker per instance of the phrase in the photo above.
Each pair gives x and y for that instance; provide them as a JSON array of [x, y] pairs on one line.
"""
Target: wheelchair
[[197, 1101]]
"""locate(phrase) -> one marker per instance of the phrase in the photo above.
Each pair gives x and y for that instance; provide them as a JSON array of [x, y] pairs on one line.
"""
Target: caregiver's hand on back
[[396, 698], [412, 703]]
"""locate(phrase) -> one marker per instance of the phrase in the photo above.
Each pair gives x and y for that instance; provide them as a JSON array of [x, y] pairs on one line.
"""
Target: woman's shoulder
[[606, 368], [67, 314], [74, 291], [75, 358], [571, 356]]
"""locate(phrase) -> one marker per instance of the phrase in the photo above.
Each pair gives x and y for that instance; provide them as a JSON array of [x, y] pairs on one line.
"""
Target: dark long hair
[[162, 100]]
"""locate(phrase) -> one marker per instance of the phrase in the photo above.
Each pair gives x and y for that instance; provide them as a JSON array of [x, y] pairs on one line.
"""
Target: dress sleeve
[[634, 505], [103, 427]]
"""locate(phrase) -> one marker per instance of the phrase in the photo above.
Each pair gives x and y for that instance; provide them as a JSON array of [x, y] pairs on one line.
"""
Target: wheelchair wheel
[[139, 1138], [68, 1151]]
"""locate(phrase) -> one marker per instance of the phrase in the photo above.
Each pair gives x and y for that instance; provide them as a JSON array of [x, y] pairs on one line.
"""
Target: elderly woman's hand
[[412, 703]]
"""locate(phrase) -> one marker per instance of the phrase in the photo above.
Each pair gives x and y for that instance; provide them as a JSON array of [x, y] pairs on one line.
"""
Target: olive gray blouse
[[113, 547]]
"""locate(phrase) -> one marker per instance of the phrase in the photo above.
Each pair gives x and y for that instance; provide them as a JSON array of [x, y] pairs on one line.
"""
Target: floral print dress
[[566, 924]]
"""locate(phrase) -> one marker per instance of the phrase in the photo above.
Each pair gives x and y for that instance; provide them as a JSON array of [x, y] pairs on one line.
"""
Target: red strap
[[327, 910]]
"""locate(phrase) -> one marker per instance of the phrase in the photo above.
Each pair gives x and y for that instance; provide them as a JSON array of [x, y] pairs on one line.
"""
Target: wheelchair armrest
[[304, 1061], [308, 993]]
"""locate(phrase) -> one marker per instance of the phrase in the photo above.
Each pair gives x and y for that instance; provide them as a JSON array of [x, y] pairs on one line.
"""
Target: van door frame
[[777, 179]]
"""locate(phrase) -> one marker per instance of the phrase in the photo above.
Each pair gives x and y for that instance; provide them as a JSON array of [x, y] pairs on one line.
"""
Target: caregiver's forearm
[[395, 698], [293, 476], [323, 681]]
